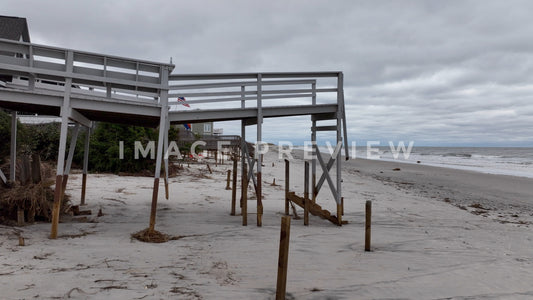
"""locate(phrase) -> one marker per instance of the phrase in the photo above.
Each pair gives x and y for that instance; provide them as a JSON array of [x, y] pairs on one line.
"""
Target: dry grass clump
[[36, 199]]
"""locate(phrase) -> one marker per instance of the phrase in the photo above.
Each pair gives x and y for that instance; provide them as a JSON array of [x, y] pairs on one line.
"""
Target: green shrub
[[104, 144], [104, 148]]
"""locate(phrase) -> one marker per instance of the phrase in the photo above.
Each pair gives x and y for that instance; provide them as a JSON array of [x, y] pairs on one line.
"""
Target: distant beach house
[[202, 128], [16, 29], [192, 131]]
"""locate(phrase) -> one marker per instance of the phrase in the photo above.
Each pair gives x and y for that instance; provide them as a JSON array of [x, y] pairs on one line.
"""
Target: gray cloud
[[436, 72]]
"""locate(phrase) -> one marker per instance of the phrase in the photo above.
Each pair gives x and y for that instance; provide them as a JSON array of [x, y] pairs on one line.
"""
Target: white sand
[[424, 247]]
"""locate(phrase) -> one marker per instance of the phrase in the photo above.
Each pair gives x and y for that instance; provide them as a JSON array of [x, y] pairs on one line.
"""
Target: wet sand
[[507, 198]]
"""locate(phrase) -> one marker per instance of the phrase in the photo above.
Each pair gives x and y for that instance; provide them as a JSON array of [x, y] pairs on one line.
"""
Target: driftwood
[[314, 208]]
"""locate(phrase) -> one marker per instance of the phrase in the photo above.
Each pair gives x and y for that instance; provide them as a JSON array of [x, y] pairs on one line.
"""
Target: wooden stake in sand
[[234, 186], [283, 257], [228, 180], [244, 189], [287, 187], [368, 221], [259, 200], [306, 194]]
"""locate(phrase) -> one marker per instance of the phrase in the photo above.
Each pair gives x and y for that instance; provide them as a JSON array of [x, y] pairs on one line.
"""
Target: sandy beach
[[437, 234]]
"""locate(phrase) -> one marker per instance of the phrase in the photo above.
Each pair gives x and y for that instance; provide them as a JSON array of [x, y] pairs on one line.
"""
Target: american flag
[[182, 101]]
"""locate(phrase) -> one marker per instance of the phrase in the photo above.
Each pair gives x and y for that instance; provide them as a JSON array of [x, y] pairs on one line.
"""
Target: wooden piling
[[339, 214], [57, 206], [306, 194], [64, 187], [228, 180], [283, 257], [342, 206], [245, 195], [259, 200], [368, 223], [83, 189], [234, 186], [165, 180], [153, 209], [287, 187]]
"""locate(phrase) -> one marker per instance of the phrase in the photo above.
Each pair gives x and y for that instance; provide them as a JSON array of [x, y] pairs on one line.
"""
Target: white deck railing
[[93, 74]]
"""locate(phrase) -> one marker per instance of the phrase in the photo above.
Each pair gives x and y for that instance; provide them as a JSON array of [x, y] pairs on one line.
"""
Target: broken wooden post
[[36, 176], [209, 168], [339, 214], [368, 221], [234, 186], [228, 180], [244, 195], [25, 170], [20, 217], [342, 206], [31, 215], [21, 241], [283, 257], [306, 194], [286, 187]]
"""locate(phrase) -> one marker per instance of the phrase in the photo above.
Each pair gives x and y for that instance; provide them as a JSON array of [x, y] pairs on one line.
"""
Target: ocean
[[493, 160]]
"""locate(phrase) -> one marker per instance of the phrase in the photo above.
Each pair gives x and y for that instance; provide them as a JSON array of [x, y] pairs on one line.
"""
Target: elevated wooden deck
[[85, 87]]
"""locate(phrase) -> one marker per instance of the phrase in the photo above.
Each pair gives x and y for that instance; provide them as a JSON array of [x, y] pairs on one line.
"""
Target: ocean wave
[[465, 155]]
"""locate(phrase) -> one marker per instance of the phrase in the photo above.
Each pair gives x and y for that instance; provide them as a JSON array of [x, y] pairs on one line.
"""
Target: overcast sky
[[432, 72]]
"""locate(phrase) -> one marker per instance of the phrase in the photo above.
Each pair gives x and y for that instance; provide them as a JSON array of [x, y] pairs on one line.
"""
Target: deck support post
[[70, 157], [85, 165], [13, 147], [163, 98], [315, 148], [165, 158], [340, 100], [259, 151], [243, 145], [65, 114], [244, 173]]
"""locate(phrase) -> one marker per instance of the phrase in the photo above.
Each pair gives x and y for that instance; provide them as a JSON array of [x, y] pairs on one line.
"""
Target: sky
[[438, 73]]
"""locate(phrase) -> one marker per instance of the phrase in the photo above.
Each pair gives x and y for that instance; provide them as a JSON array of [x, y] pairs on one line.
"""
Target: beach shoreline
[[505, 198], [423, 247]]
